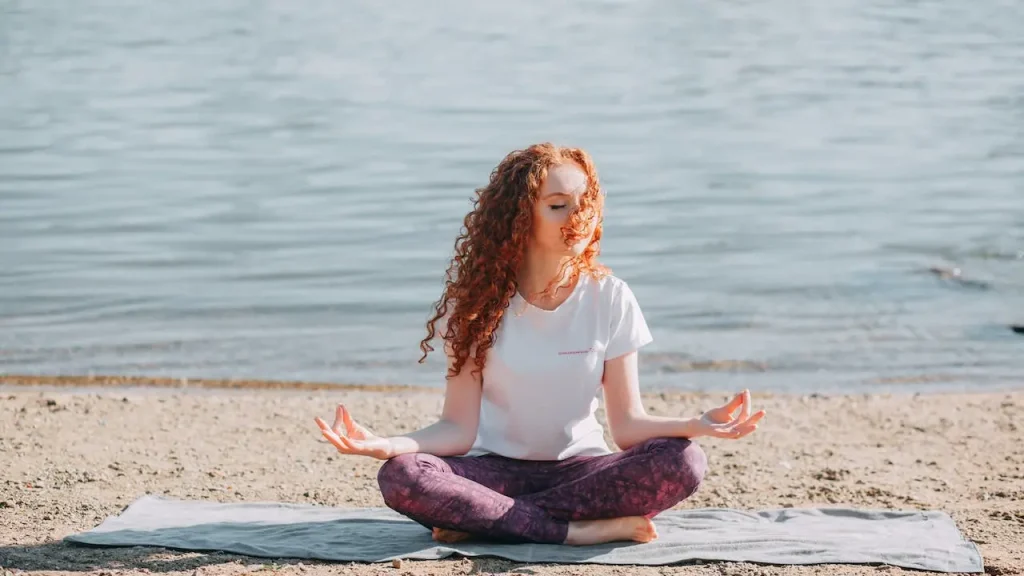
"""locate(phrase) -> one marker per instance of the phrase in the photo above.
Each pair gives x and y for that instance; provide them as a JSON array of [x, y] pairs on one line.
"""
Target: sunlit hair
[[482, 276]]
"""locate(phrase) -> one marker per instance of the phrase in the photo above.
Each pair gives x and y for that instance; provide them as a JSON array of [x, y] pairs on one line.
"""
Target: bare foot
[[635, 528], [448, 536]]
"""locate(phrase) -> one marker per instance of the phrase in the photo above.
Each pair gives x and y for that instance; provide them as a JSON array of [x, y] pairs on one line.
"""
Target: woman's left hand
[[722, 423]]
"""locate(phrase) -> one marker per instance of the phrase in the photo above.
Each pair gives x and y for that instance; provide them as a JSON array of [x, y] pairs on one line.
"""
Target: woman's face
[[559, 197]]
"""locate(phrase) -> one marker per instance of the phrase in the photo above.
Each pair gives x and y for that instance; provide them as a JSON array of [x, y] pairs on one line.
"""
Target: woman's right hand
[[350, 437]]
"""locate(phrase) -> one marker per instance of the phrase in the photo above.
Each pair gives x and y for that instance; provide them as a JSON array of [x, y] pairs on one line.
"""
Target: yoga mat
[[911, 539]]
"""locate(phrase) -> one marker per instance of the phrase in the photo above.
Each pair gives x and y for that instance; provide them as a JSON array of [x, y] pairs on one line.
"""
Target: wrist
[[688, 428], [391, 449]]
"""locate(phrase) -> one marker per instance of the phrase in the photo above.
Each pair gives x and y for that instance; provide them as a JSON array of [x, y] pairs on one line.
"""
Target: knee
[[687, 462], [398, 480], [694, 465]]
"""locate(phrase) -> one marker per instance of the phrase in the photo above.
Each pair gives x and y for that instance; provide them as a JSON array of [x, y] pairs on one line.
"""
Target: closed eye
[[557, 206]]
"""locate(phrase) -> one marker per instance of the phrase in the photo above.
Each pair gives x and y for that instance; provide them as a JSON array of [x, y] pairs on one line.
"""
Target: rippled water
[[271, 189]]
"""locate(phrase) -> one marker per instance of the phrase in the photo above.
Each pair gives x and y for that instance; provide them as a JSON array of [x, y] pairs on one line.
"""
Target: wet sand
[[73, 455]]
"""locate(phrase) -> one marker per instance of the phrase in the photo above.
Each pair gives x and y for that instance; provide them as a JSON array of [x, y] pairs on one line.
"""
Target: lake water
[[271, 189]]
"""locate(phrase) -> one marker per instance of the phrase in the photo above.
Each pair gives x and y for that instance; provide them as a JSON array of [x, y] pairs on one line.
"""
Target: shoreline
[[210, 385], [116, 381], [74, 457]]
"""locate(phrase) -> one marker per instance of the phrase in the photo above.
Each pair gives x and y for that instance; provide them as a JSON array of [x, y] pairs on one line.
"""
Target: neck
[[540, 269]]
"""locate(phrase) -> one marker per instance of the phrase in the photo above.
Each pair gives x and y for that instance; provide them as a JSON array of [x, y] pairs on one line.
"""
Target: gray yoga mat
[[910, 539]]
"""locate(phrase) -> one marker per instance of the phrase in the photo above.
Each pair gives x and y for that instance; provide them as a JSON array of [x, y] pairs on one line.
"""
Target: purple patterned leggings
[[513, 500]]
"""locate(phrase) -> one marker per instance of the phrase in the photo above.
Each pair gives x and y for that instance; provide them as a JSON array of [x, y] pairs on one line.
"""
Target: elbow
[[625, 434], [460, 433], [461, 449], [628, 430], [467, 437], [463, 445], [624, 443]]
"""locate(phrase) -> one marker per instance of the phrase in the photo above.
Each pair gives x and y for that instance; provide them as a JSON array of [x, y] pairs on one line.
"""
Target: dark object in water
[[1018, 328], [956, 275]]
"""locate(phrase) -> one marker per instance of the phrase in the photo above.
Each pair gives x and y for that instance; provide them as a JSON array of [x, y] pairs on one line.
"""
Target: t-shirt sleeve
[[629, 330]]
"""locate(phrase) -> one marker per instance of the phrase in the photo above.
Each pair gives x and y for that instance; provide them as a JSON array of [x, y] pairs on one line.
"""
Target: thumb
[[354, 427], [735, 403]]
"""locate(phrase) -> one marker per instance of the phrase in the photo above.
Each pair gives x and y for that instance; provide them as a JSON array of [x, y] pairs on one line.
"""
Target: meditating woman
[[534, 329]]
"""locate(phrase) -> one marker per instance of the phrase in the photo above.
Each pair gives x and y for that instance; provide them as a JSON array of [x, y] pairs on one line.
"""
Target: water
[[271, 189]]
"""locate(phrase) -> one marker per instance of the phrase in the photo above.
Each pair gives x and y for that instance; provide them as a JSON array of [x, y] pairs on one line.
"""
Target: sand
[[72, 456]]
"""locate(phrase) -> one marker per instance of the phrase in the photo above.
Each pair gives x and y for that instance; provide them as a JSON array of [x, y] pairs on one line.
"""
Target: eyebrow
[[557, 194]]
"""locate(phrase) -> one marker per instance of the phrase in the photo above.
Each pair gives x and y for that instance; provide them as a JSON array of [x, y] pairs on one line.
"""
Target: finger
[[350, 424], [328, 432], [727, 427], [723, 427], [750, 425], [727, 434], [737, 418], [735, 403], [749, 421], [361, 432], [323, 425], [745, 410], [732, 430], [753, 420], [339, 419], [343, 444], [320, 422], [743, 431], [724, 430]]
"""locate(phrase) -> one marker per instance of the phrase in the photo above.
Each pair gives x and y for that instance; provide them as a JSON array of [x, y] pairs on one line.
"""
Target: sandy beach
[[73, 456]]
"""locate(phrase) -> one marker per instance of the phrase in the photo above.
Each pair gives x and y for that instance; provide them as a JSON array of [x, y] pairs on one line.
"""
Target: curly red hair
[[482, 276]]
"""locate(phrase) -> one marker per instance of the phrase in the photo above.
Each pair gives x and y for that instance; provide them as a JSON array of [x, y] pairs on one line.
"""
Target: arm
[[452, 435], [454, 432], [630, 423]]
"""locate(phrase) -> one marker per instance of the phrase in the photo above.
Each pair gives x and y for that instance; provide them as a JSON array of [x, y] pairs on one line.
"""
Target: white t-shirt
[[543, 375]]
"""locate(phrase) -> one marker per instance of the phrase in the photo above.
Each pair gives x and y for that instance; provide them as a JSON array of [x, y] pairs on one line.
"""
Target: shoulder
[[610, 288], [609, 283]]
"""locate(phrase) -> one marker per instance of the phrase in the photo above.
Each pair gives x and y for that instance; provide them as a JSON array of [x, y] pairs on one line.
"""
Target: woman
[[534, 329]]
